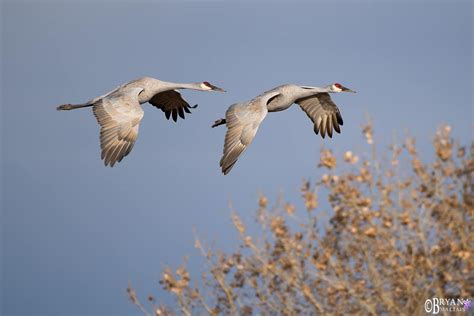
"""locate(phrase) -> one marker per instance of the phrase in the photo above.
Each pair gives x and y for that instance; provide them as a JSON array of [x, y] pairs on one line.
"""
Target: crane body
[[243, 119], [119, 111]]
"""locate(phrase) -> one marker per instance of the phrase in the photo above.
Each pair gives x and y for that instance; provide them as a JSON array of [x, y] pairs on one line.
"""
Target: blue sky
[[74, 232]]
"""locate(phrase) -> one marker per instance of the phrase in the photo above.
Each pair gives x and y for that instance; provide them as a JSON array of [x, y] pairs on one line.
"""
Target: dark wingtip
[[322, 131], [193, 107], [336, 127], [181, 113], [329, 131]]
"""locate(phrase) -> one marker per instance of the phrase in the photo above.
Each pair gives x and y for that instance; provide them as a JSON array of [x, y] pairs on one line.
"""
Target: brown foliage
[[399, 233]]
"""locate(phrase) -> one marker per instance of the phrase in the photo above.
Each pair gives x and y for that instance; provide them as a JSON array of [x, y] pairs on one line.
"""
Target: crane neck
[[312, 90], [160, 86], [191, 86]]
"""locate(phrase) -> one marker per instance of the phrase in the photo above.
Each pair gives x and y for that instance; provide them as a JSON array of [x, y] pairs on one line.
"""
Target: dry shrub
[[399, 232]]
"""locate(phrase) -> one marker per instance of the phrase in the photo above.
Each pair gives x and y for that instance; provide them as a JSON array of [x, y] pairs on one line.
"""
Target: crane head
[[207, 86], [337, 87]]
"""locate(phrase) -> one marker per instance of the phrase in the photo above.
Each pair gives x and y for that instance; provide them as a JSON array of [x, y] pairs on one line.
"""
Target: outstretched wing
[[119, 115], [172, 103], [242, 122], [323, 112]]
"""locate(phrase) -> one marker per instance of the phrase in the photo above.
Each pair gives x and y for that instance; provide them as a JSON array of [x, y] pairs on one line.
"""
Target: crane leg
[[67, 107], [219, 122]]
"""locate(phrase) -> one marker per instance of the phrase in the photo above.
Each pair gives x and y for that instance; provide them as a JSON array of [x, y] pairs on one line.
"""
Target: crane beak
[[344, 89], [214, 88]]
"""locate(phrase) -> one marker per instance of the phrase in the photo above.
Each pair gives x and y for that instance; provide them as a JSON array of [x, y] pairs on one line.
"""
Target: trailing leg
[[219, 122], [67, 107]]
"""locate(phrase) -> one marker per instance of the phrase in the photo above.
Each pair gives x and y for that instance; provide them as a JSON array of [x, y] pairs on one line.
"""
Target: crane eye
[[207, 84]]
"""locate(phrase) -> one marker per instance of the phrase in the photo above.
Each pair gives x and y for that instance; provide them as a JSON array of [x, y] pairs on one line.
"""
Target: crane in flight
[[243, 119], [119, 113]]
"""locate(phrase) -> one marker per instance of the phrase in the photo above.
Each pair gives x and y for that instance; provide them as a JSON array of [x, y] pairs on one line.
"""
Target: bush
[[399, 232]]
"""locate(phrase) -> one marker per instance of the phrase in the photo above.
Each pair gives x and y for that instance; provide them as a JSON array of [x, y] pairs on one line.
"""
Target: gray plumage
[[243, 119], [119, 112]]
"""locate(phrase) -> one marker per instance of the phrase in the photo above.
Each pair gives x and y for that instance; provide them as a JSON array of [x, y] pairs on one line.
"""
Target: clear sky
[[74, 232]]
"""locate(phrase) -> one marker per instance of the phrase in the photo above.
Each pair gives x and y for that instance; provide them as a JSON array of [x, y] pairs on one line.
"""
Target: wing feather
[[323, 112], [119, 115], [243, 121], [172, 103], [329, 126], [335, 123]]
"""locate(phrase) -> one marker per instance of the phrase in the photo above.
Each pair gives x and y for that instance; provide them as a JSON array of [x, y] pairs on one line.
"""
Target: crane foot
[[218, 122], [64, 107]]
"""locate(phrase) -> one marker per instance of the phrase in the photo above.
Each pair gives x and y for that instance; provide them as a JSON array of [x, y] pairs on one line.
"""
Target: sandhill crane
[[119, 113], [243, 119]]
